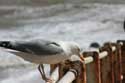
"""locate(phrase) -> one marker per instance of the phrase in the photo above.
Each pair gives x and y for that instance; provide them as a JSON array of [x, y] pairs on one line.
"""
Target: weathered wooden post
[[117, 64], [107, 67], [97, 66], [93, 67], [121, 52]]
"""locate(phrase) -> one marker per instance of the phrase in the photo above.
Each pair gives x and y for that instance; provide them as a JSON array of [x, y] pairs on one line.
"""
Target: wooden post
[[92, 67], [97, 66], [119, 51], [121, 58], [112, 60], [119, 63], [106, 66]]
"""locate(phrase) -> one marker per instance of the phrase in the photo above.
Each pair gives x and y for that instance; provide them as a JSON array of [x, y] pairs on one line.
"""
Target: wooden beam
[[68, 77]]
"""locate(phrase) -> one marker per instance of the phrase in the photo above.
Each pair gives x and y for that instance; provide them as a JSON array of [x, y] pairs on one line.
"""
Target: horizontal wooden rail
[[68, 77], [88, 59], [101, 55]]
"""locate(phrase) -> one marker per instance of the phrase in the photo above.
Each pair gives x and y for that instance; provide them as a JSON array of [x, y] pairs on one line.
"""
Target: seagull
[[42, 51]]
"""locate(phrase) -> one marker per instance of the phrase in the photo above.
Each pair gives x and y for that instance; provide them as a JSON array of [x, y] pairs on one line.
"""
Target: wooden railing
[[101, 66]]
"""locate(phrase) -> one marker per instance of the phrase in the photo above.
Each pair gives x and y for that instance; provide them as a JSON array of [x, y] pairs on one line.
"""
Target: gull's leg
[[42, 72], [41, 67]]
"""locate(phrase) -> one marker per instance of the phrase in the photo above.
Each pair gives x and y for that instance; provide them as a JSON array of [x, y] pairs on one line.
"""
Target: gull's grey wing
[[38, 47]]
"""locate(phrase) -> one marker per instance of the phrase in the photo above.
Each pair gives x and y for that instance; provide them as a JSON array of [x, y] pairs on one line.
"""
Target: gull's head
[[74, 47], [71, 47]]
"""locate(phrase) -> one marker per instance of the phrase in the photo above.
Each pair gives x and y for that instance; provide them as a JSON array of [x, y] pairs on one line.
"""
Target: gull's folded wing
[[38, 47]]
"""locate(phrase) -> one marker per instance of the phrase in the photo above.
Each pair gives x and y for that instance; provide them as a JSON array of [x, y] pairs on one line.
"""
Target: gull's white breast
[[41, 59]]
